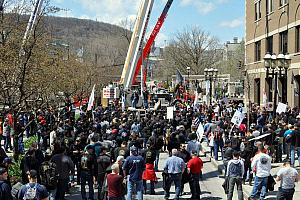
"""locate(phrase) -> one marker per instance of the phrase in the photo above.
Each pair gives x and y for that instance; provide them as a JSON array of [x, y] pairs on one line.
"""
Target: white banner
[[281, 108], [237, 118], [91, 99], [170, 112], [200, 132]]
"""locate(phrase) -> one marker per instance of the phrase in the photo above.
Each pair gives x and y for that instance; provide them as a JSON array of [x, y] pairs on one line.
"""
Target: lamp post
[[188, 69], [276, 67], [210, 74]]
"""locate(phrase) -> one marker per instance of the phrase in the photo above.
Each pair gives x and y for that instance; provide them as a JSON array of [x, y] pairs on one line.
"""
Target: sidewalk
[[247, 188]]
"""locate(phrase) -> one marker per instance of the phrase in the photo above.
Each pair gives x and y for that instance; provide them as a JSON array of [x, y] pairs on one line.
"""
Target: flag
[[123, 102], [200, 132], [91, 99], [196, 100], [77, 114], [179, 77]]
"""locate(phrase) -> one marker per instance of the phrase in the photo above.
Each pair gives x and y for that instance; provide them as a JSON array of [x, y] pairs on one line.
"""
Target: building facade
[[272, 26]]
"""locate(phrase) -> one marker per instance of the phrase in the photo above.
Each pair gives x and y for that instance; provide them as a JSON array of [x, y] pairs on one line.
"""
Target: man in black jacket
[[103, 162], [64, 168], [88, 172]]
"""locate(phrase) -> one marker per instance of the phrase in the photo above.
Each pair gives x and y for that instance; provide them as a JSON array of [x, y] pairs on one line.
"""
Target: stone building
[[272, 26]]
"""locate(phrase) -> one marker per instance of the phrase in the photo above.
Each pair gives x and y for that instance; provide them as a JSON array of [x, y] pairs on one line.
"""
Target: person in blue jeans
[[174, 167], [261, 165], [133, 168]]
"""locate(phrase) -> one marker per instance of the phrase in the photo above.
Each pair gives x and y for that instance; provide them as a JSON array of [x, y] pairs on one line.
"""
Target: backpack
[[30, 193], [15, 190], [235, 169], [48, 174], [288, 138]]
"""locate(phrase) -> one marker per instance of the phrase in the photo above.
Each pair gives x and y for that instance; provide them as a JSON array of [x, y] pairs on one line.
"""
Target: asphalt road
[[211, 185]]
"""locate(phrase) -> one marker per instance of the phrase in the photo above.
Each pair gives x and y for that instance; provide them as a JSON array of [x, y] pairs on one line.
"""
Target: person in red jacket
[[195, 166]]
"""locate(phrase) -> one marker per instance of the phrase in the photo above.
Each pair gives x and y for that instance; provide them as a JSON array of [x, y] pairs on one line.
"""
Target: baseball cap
[[32, 173], [133, 149]]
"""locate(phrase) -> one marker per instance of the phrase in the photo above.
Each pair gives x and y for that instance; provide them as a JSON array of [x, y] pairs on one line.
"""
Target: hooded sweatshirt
[[261, 164], [235, 168]]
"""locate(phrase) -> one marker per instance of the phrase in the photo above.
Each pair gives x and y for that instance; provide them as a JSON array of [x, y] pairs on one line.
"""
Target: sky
[[221, 18]]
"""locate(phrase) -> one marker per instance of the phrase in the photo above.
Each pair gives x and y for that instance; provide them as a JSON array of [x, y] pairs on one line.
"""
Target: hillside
[[103, 44]]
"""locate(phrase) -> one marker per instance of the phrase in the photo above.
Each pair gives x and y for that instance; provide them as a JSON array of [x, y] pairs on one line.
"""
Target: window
[[297, 39], [257, 51], [283, 2], [269, 6], [283, 48], [269, 45], [257, 10]]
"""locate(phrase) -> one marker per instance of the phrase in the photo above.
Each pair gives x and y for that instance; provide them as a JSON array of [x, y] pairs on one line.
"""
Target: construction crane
[[136, 42], [150, 42], [136, 54]]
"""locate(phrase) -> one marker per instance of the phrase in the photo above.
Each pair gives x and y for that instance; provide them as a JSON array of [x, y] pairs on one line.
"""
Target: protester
[[175, 167], [194, 167], [33, 190], [115, 184], [88, 172], [5, 189], [235, 172], [149, 173], [64, 169], [287, 176], [133, 168], [103, 162], [261, 166]]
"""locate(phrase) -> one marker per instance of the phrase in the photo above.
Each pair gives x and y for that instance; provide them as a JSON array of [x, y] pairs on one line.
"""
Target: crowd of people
[[116, 151]]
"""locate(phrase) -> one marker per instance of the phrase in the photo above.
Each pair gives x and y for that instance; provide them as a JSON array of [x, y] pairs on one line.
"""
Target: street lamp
[[211, 75], [276, 67]]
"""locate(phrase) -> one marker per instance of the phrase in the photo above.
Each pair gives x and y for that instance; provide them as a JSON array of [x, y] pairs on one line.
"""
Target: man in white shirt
[[287, 176], [261, 166]]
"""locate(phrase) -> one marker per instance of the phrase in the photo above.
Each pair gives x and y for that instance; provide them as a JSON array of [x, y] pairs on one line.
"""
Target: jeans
[[139, 189], [86, 177], [156, 160], [151, 186], [133, 102], [259, 182], [195, 186], [285, 194], [216, 150], [7, 143], [293, 151], [177, 181], [238, 182], [62, 186]]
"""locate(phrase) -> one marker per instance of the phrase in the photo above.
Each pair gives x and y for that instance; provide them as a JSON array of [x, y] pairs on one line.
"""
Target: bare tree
[[127, 26], [192, 48]]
